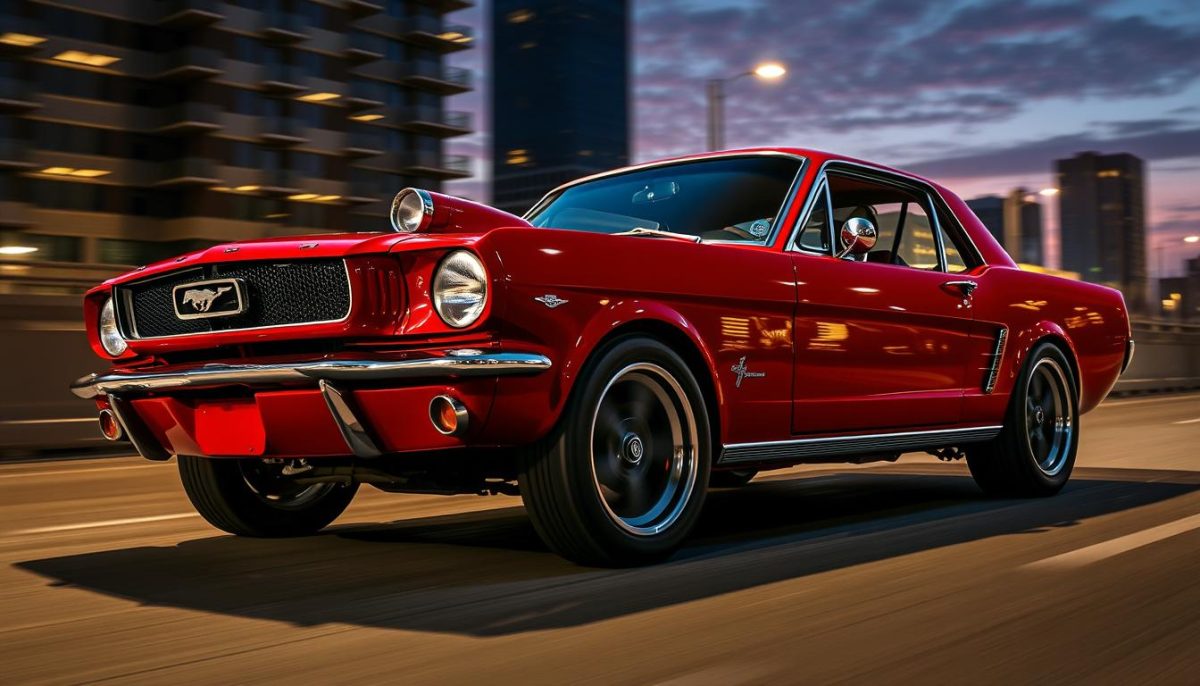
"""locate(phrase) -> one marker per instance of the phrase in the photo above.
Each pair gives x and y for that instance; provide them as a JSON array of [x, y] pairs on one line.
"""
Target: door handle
[[963, 286]]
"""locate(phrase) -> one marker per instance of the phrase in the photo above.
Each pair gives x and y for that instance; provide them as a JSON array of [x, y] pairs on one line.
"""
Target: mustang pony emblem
[[202, 298], [743, 373]]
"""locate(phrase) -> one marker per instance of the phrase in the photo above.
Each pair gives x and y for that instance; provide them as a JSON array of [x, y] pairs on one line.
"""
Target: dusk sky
[[979, 95]]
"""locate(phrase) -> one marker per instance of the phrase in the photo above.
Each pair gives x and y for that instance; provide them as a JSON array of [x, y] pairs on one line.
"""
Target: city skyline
[[981, 96]]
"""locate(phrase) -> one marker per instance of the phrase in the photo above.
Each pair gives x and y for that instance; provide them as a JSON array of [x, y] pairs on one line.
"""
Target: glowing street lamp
[[766, 71]]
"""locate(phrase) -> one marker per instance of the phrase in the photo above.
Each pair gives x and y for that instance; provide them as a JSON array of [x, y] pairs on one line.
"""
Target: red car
[[638, 337]]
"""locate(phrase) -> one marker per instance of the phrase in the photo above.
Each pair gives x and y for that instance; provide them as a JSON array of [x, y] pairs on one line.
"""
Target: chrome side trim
[[801, 448], [989, 381], [141, 438], [358, 439], [309, 373]]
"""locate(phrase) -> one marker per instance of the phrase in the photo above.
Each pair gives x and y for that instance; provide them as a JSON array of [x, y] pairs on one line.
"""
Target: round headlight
[[412, 210], [460, 289], [110, 336]]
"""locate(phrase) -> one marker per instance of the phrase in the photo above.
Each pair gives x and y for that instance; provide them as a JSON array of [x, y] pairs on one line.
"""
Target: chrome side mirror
[[858, 236]]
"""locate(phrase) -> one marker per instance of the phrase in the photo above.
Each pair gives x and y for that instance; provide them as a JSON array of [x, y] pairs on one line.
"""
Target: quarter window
[[814, 235]]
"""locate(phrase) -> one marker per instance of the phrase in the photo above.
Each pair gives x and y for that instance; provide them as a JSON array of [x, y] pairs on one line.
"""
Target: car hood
[[333, 245]]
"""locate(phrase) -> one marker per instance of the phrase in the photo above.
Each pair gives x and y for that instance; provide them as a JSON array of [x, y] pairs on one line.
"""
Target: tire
[[246, 497], [622, 478], [733, 478], [1035, 452]]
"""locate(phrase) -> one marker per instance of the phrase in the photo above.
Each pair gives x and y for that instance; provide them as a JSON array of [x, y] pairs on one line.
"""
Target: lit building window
[[86, 58], [520, 16], [1109, 174], [23, 40]]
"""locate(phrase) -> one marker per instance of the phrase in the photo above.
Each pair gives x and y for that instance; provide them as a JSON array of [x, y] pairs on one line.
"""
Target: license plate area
[[230, 428]]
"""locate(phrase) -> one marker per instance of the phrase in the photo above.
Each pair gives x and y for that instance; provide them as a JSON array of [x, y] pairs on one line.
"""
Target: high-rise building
[[1015, 221], [1023, 227], [990, 210], [560, 94], [131, 131], [1102, 220]]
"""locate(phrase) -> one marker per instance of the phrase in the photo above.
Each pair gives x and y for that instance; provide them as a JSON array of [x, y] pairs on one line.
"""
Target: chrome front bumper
[[454, 363]]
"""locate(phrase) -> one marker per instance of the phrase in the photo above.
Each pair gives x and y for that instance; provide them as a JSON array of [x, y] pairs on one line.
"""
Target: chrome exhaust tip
[[110, 428], [448, 415]]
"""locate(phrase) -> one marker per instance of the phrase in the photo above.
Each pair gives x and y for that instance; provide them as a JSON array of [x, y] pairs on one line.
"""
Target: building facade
[[1102, 220], [132, 131], [1023, 227], [560, 96], [1180, 295], [990, 210], [1015, 221]]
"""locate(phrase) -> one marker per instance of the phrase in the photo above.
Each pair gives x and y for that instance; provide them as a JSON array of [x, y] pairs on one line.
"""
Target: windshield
[[734, 199]]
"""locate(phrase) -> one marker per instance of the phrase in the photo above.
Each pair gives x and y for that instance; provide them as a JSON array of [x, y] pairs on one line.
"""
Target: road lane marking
[[1139, 401], [72, 472], [107, 522], [1116, 546], [1188, 421]]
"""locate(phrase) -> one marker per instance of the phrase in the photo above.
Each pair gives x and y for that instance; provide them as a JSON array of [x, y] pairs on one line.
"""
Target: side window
[[917, 247], [900, 214], [814, 235], [952, 245]]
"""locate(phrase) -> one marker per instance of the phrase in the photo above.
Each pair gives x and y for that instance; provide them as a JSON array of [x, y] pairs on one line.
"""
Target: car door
[[880, 343]]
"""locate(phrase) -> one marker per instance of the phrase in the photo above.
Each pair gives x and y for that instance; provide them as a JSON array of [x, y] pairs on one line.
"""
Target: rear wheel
[[1035, 451], [622, 479], [252, 497]]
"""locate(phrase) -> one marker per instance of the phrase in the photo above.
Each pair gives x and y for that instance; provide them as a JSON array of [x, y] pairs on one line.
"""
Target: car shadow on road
[[487, 573]]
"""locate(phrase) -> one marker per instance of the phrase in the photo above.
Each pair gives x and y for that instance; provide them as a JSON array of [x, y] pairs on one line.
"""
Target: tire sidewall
[[1028, 460], [577, 437]]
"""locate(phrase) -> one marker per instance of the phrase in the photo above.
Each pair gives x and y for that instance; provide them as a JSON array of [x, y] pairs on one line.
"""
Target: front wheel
[[251, 497], [1035, 451], [622, 479]]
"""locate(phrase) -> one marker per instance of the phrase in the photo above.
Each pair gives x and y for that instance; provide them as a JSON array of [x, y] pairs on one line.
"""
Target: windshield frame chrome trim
[[785, 206]]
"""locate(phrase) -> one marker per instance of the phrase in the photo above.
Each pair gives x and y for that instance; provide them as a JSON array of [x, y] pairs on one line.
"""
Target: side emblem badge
[[550, 300], [743, 373]]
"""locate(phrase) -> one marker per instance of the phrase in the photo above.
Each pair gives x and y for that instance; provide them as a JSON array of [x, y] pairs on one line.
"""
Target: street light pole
[[767, 71], [716, 114]]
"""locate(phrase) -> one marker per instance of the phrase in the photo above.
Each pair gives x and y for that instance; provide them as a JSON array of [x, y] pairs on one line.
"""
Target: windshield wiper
[[659, 233]]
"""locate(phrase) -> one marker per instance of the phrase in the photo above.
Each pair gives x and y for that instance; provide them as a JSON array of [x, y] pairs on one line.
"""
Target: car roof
[[814, 156]]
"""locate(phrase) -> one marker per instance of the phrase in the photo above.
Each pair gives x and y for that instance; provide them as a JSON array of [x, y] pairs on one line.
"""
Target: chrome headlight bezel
[[460, 289], [110, 334], [412, 210]]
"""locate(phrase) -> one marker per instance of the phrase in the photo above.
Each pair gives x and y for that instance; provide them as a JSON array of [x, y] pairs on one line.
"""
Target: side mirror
[[858, 236]]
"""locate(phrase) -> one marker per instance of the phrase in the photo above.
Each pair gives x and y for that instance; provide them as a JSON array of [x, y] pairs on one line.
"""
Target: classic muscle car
[[637, 338]]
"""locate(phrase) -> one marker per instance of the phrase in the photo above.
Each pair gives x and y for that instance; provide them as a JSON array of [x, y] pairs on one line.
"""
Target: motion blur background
[[131, 131]]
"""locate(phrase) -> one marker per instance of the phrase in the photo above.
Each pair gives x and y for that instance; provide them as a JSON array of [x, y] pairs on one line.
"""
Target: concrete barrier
[[1167, 358], [43, 348]]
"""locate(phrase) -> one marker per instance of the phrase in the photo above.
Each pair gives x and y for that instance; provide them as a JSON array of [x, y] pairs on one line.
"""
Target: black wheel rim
[[269, 483], [1049, 416], [644, 442]]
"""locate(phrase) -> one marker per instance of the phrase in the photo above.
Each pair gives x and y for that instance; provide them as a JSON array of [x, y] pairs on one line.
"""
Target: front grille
[[277, 294]]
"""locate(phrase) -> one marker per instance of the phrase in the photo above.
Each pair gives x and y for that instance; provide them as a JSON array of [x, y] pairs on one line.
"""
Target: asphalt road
[[881, 574]]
